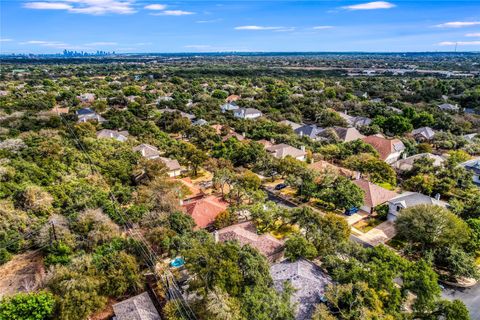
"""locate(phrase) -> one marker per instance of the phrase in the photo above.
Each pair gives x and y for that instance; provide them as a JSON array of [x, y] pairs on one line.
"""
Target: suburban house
[[200, 122], [247, 113], [87, 114], [374, 195], [232, 98], [86, 97], [283, 150], [449, 107], [354, 121], [406, 164], [324, 166], [291, 124], [348, 134], [246, 233], [309, 281], [59, 110], [173, 167], [183, 114], [309, 130], [470, 137], [229, 106], [390, 150], [148, 151], [121, 136], [193, 189], [423, 134], [474, 167], [231, 134], [139, 307], [204, 209], [409, 199]]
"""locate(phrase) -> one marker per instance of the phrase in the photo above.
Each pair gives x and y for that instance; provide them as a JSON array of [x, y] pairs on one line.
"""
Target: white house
[[247, 113], [174, 168], [86, 97], [474, 167], [410, 199], [229, 106], [448, 107], [121, 136], [283, 150], [147, 151]]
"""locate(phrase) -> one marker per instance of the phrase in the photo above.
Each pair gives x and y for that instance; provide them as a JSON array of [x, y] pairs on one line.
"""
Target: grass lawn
[[367, 224]]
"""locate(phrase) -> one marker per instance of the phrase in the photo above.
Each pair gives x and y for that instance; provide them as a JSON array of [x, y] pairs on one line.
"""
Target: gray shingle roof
[[307, 278], [139, 307], [307, 130]]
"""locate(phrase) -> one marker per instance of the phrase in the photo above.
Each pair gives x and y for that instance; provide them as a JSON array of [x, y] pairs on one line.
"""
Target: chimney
[[404, 155], [357, 175], [244, 134], [345, 112], [215, 236], [302, 148], [272, 141], [437, 196]]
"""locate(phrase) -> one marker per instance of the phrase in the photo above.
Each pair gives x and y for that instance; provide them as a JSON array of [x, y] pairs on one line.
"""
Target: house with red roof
[[204, 209], [389, 150], [374, 195]]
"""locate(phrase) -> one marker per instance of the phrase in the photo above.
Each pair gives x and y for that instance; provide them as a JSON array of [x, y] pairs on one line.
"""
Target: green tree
[[28, 306], [298, 247]]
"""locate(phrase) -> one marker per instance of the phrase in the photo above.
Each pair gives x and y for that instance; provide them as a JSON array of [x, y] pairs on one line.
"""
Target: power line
[[149, 253]]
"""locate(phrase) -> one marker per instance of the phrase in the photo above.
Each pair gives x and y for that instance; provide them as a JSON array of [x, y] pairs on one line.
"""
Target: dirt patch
[[106, 313], [25, 272]]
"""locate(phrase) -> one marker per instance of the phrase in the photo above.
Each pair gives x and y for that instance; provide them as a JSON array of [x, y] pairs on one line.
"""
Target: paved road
[[274, 198], [469, 296]]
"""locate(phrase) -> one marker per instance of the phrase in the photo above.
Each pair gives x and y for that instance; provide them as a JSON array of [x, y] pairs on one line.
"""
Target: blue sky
[[49, 26]]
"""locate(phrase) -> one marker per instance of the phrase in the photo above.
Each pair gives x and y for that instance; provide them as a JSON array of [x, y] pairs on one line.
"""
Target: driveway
[[380, 234], [354, 218]]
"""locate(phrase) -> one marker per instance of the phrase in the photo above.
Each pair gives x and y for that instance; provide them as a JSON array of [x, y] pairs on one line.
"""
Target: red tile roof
[[204, 210], [245, 233], [374, 194], [384, 146]]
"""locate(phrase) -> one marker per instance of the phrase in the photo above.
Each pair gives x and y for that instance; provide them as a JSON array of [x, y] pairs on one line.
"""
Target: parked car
[[280, 186], [351, 211]]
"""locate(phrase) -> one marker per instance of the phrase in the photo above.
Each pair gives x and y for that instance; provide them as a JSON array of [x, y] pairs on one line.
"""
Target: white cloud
[[173, 13], [101, 43], [458, 24], [156, 6], [5, 40], [209, 21], [459, 43], [48, 5], [261, 28], [322, 27], [473, 34], [370, 6], [93, 7], [53, 44]]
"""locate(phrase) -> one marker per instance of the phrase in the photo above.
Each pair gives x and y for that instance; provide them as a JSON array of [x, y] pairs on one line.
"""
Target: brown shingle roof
[[245, 233], [321, 166], [374, 194]]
